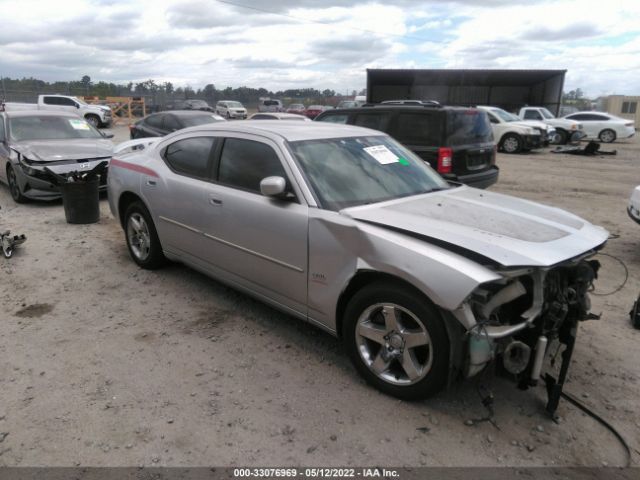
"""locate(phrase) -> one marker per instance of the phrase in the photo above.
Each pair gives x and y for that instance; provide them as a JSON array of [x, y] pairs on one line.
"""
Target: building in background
[[621, 106], [507, 89]]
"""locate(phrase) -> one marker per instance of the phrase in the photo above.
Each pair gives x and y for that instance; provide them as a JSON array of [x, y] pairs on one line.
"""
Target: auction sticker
[[382, 154], [79, 124]]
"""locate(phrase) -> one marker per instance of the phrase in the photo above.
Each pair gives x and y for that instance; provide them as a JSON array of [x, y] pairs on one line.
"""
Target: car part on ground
[[9, 242], [634, 314], [457, 142], [590, 149], [347, 229]]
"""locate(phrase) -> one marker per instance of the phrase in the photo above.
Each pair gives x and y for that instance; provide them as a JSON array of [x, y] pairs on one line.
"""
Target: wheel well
[[360, 280], [126, 199]]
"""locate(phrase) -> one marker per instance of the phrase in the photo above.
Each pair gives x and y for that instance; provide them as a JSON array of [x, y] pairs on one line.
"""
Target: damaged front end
[[516, 320]]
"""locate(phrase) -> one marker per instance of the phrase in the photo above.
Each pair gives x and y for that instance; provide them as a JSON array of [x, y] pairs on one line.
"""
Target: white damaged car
[[343, 227]]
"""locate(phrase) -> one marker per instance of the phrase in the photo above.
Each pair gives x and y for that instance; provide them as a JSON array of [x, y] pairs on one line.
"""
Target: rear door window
[[244, 163], [171, 123], [466, 127], [419, 129], [190, 156], [375, 121]]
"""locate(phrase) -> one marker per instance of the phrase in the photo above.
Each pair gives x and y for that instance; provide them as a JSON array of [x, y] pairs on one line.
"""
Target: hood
[[508, 230], [58, 150], [563, 123]]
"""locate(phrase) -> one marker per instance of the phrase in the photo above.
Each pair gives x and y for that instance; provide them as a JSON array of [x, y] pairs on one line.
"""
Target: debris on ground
[[592, 148]]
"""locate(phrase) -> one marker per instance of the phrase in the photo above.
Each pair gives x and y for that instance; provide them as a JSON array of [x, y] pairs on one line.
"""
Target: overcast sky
[[322, 44]]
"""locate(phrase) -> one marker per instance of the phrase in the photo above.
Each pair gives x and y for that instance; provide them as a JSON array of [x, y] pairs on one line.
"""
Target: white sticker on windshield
[[79, 124], [382, 154]]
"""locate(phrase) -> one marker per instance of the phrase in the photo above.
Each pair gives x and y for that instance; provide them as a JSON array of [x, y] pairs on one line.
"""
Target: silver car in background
[[31, 140], [343, 227]]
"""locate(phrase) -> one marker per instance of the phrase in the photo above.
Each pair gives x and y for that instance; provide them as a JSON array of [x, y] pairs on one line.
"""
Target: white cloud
[[322, 44]]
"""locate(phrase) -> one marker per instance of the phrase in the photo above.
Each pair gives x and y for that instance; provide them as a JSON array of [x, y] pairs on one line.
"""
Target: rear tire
[[142, 238], [607, 136], [14, 186], [511, 143], [397, 341]]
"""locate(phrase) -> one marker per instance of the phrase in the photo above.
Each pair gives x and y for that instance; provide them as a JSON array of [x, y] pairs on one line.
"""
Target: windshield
[[506, 116], [345, 172], [546, 113], [81, 102], [270, 103], [194, 120], [50, 128], [234, 104], [466, 127]]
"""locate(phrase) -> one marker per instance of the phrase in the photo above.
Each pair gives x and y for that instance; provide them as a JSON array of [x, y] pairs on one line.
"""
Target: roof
[[281, 116], [291, 131], [476, 77], [185, 113]]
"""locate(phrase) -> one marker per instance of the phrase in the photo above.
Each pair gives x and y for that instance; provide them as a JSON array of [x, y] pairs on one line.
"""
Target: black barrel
[[81, 201]]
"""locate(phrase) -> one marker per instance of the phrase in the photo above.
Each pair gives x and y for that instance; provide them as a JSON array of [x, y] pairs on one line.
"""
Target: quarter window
[[418, 129], [190, 156], [244, 163], [154, 121]]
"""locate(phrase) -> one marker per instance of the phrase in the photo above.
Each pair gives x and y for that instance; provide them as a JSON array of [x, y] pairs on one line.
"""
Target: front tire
[[14, 186], [397, 341], [607, 136], [142, 238], [93, 120], [561, 137], [511, 143]]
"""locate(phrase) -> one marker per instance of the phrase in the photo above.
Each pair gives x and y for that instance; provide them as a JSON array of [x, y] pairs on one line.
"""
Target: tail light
[[444, 160]]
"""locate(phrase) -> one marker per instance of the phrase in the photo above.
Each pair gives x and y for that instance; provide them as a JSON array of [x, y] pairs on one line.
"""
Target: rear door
[[152, 126], [376, 120]]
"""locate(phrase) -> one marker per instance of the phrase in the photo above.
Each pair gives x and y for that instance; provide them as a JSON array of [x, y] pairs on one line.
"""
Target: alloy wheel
[[394, 344], [138, 235]]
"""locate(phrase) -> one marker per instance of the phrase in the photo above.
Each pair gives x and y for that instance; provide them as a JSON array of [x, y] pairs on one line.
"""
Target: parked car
[[163, 123], [345, 228], [231, 109], [512, 135], [603, 126], [297, 108], [33, 140], [455, 141], [279, 116], [313, 111], [197, 104], [270, 105], [96, 115], [633, 208], [566, 130]]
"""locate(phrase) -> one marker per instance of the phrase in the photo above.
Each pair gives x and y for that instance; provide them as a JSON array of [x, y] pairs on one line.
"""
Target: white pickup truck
[[566, 130], [96, 115]]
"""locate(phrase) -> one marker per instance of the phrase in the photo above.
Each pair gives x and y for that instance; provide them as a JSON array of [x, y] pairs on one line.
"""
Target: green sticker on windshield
[[403, 161]]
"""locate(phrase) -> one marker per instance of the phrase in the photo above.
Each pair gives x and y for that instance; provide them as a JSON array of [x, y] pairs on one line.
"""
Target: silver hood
[[59, 150], [508, 230]]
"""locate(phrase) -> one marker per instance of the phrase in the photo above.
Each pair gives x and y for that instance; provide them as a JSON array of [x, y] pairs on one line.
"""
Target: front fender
[[340, 247]]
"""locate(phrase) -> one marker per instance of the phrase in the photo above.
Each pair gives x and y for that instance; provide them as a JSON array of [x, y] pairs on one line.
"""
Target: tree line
[[161, 93]]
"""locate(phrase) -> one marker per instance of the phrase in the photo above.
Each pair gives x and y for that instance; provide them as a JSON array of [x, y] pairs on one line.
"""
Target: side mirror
[[273, 187], [107, 135], [77, 106]]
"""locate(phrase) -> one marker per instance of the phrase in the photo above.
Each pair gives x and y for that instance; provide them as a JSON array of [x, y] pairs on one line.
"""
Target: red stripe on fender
[[132, 166]]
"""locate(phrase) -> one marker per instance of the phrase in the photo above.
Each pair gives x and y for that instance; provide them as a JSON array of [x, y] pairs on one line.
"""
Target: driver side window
[[2, 134], [244, 163]]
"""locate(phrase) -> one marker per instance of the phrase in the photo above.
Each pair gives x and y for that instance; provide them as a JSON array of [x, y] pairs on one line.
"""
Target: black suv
[[457, 142]]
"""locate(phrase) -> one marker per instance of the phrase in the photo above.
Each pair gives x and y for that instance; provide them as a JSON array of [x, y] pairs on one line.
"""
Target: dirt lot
[[107, 364]]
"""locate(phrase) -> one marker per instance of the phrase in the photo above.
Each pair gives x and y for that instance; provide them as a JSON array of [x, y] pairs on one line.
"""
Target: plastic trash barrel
[[81, 201]]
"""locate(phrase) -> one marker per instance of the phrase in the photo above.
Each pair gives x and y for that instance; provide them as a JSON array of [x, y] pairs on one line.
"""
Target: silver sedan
[[343, 227]]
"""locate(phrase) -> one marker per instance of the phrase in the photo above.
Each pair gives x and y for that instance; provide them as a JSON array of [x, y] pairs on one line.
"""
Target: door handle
[[216, 202], [151, 183]]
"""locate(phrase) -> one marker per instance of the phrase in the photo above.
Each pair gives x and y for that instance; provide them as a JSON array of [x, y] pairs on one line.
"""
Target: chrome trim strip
[[180, 224], [260, 255]]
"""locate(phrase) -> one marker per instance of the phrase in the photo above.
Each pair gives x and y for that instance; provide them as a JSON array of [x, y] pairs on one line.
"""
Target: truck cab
[[566, 130]]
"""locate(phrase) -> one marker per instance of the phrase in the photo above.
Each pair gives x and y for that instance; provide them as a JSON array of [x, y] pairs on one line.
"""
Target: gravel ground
[[106, 364]]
